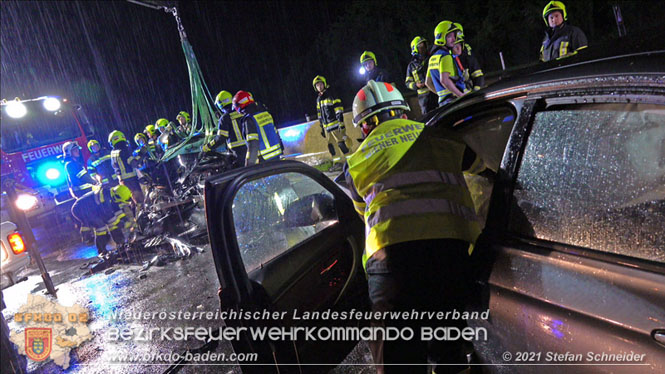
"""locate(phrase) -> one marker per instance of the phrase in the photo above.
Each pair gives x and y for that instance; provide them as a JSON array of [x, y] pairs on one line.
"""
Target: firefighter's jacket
[[146, 158], [100, 163], [229, 129], [123, 160], [407, 183], [330, 111], [416, 72], [97, 210], [259, 125], [562, 40], [79, 180], [442, 61]]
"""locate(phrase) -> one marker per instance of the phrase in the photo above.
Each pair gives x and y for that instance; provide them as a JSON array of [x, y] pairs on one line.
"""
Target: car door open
[[286, 241]]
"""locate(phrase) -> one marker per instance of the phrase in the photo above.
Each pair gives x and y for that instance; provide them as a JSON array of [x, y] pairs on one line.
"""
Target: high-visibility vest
[[269, 145], [412, 187], [123, 167], [231, 129]]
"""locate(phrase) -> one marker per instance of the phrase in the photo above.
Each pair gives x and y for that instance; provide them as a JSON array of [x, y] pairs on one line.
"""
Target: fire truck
[[32, 134]]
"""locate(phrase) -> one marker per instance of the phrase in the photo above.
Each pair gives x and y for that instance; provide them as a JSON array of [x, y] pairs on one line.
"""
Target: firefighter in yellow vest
[[406, 181], [125, 165]]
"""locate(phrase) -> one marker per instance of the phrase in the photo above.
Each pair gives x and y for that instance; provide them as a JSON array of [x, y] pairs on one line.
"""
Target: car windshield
[[38, 127]]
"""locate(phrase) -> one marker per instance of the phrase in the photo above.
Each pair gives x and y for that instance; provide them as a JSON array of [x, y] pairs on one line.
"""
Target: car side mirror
[[310, 210]]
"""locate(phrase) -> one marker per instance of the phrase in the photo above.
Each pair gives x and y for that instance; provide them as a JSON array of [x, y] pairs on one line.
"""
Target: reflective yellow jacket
[[408, 185]]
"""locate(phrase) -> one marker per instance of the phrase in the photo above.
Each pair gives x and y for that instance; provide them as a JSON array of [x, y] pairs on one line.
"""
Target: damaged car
[[571, 258]]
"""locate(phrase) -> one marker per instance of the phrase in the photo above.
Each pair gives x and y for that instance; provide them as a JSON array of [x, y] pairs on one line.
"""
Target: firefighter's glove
[[206, 148]]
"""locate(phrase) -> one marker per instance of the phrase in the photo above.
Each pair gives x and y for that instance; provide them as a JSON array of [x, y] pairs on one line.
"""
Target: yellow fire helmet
[[366, 56], [151, 130], [319, 78], [415, 42], [115, 137], [139, 136], [551, 7], [442, 29], [223, 99], [91, 143], [121, 194]]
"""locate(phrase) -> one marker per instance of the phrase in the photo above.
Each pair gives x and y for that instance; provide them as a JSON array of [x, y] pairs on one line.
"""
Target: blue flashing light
[[51, 173], [294, 134]]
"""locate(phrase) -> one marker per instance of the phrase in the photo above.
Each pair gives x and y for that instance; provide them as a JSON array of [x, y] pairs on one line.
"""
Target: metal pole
[[24, 225], [619, 20], [503, 64]]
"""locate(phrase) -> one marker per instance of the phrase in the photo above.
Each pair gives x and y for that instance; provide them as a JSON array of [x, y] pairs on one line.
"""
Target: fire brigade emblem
[[38, 343]]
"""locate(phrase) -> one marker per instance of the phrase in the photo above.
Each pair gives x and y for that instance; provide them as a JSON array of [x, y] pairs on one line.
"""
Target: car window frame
[[513, 160], [304, 242], [232, 274]]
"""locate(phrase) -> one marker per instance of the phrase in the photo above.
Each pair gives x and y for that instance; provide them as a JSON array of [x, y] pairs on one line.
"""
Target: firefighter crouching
[[263, 142], [406, 180], [99, 164], [125, 165], [106, 211], [79, 180]]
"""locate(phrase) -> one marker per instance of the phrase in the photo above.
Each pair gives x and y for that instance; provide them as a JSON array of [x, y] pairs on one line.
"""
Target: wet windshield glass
[[275, 213]]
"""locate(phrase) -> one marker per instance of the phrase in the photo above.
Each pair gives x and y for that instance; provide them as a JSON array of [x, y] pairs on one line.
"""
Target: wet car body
[[571, 260]]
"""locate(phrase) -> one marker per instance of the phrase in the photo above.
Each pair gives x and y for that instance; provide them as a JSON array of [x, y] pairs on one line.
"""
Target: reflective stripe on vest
[[269, 146], [272, 154], [331, 126], [101, 159], [420, 206], [563, 49], [235, 126], [115, 155], [82, 187]]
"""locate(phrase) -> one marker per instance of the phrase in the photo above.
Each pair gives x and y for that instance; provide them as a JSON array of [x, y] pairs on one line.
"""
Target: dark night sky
[[49, 48], [124, 63]]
